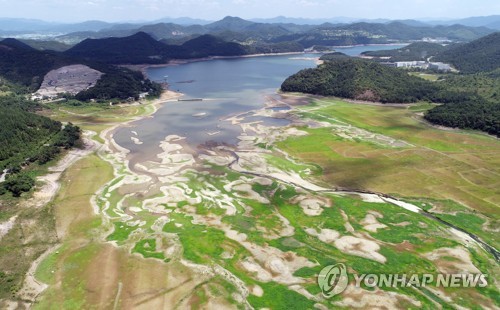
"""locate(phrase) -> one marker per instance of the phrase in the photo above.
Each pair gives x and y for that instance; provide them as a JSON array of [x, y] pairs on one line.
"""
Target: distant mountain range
[[492, 21], [245, 32], [20, 25]]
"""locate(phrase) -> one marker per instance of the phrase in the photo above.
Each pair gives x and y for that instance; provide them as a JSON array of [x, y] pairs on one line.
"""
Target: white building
[[439, 66]]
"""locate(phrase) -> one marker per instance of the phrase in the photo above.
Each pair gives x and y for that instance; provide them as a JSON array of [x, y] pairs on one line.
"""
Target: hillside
[[22, 131], [477, 56], [477, 105], [229, 23], [492, 21], [414, 51], [47, 45], [22, 64], [28, 138], [470, 101], [208, 45], [141, 48], [134, 49], [478, 115], [360, 79], [170, 30], [333, 56], [120, 83]]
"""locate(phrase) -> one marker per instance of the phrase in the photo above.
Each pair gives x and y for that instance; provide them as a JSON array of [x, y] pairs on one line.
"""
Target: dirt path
[[32, 288], [48, 190]]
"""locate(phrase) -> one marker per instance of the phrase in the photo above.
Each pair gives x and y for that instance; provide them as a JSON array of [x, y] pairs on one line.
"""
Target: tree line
[[469, 101], [27, 139]]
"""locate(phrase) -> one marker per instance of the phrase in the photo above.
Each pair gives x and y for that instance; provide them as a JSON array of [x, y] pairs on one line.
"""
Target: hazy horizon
[[147, 10]]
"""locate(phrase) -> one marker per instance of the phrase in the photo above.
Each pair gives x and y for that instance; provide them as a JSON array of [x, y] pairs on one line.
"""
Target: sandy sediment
[[358, 298], [461, 262], [6, 226], [371, 223], [312, 206], [32, 288]]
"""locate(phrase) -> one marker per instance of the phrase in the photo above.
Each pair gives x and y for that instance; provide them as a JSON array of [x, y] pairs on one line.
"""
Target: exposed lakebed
[[242, 211]]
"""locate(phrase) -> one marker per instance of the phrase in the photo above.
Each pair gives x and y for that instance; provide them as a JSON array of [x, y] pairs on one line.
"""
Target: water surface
[[228, 87]]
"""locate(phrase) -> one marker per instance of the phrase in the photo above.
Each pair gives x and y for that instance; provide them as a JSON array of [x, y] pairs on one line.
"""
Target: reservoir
[[229, 87]]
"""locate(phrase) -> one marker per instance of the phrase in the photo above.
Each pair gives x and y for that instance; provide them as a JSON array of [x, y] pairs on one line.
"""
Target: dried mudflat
[[244, 226]]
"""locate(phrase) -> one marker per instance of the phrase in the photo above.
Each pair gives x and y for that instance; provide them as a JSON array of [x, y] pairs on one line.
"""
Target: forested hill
[[23, 65], [470, 101], [27, 138], [208, 45], [360, 79], [476, 114], [477, 56], [141, 48], [333, 56], [414, 51], [134, 49]]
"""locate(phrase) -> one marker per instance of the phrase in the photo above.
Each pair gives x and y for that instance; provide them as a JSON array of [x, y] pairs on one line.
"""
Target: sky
[[141, 10]]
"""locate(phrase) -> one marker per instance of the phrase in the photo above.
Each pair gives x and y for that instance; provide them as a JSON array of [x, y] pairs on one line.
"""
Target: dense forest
[[481, 110], [414, 51], [120, 83], [481, 55], [478, 115], [333, 56], [469, 101], [27, 138], [27, 66], [208, 45], [141, 48], [482, 85], [361, 79], [473, 102]]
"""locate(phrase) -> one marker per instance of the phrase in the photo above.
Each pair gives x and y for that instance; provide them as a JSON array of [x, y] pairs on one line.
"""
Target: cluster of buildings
[[425, 65]]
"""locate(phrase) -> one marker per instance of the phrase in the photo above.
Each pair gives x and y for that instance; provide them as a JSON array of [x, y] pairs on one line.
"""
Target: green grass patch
[[147, 248], [121, 233]]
